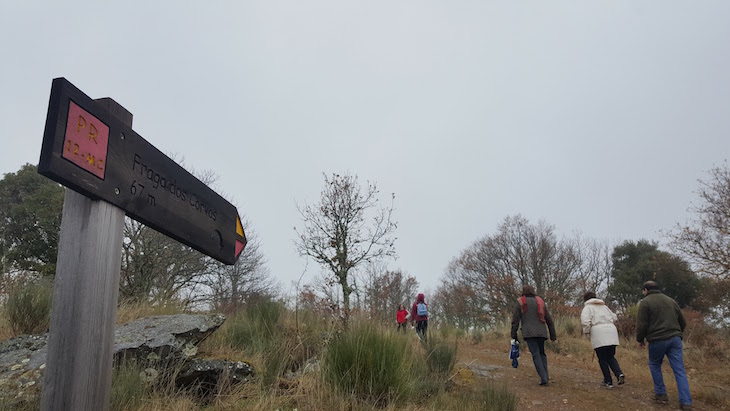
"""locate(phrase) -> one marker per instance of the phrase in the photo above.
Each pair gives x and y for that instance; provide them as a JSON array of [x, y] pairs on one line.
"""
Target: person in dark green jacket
[[660, 322]]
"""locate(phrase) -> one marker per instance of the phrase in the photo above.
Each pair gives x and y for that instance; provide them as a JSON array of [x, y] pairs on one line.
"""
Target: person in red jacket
[[419, 314], [400, 318]]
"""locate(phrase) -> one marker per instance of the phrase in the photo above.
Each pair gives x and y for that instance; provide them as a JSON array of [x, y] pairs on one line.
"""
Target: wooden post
[[81, 339]]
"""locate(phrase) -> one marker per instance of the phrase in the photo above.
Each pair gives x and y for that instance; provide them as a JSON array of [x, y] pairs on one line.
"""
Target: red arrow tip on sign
[[239, 247]]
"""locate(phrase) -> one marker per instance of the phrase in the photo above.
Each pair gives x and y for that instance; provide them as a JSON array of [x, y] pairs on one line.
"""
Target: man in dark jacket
[[534, 315], [661, 323]]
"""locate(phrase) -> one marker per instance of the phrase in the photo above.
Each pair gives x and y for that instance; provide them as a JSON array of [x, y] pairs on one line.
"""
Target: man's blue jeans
[[672, 348]]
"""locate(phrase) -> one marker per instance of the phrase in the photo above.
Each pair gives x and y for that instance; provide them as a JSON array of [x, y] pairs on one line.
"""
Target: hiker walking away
[[661, 323], [419, 314], [597, 321], [401, 318], [532, 312]]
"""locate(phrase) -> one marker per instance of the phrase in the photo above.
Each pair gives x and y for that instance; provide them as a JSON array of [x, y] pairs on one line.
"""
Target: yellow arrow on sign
[[241, 240]]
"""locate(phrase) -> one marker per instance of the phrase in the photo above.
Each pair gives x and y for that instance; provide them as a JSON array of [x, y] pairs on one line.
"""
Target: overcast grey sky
[[596, 116]]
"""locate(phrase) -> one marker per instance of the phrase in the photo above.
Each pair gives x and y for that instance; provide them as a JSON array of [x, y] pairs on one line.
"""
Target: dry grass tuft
[[5, 331], [129, 310]]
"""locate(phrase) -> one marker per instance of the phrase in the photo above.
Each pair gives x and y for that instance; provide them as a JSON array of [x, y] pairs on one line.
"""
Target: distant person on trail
[[597, 321], [660, 321], [419, 314], [532, 312], [401, 318]]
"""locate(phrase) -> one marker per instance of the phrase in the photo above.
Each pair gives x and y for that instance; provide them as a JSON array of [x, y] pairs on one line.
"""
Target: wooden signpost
[[91, 151], [90, 147]]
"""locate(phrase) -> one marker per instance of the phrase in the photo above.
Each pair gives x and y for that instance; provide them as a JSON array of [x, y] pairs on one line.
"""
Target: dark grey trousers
[[537, 349]]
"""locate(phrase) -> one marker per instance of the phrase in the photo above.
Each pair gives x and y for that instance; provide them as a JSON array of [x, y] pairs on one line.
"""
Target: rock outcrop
[[164, 337], [154, 342]]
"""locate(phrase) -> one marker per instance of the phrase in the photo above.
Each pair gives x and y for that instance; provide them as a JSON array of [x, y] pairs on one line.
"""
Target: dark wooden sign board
[[93, 152]]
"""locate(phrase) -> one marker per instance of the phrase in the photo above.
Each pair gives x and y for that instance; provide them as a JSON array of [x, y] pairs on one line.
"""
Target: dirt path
[[571, 387]]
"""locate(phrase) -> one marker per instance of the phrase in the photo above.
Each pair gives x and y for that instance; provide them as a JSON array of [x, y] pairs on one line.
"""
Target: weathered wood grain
[[86, 290]]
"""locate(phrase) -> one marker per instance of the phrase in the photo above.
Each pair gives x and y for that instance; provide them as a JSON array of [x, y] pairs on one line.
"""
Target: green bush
[[372, 364], [28, 308], [440, 355]]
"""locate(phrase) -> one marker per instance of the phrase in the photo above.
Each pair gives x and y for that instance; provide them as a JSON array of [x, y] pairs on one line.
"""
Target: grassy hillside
[[303, 362]]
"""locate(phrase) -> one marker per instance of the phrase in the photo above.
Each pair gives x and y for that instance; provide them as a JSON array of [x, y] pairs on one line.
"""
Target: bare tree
[[594, 271], [487, 274], [157, 268], [459, 303], [480, 268], [346, 228], [705, 240], [232, 286], [384, 290]]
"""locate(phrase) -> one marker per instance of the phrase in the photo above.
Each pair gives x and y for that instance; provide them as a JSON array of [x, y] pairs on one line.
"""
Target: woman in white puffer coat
[[597, 321]]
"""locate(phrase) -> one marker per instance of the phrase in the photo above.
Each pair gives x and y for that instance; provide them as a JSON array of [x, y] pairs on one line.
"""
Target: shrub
[[706, 339], [309, 339], [568, 326], [28, 307], [440, 355], [500, 331], [567, 346], [448, 330], [276, 362], [459, 333], [256, 328], [626, 323], [489, 397], [498, 398], [265, 315], [372, 364], [477, 335]]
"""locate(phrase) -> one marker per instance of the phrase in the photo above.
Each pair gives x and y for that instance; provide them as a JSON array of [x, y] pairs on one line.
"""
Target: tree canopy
[[233, 286], [484, 279], [30, 221], [637, 262]]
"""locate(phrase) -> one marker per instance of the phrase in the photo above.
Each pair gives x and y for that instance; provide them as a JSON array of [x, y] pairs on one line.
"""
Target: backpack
[[421, 310]]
